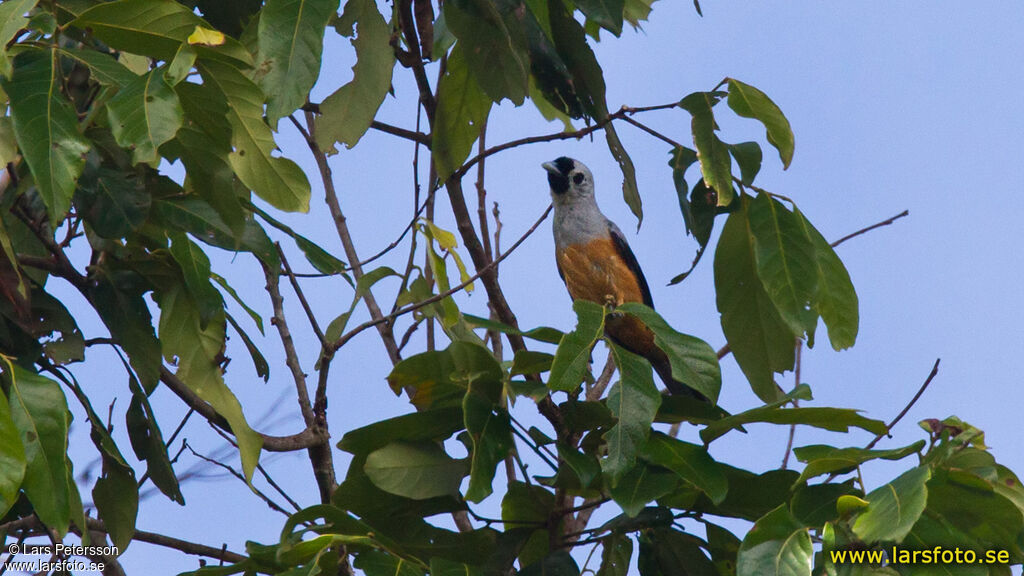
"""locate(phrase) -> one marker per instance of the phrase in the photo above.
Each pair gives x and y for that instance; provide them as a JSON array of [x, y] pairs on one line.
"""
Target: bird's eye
[[578, 178]]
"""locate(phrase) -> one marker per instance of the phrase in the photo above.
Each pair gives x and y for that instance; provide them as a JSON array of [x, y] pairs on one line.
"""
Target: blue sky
[[909, 105]]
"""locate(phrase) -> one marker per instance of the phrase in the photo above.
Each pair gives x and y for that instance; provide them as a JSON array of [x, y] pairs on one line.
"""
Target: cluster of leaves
[[954, 496], [100, 94]]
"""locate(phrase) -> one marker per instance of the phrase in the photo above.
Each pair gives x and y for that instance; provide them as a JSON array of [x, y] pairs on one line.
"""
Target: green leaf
[[693, 360], [834, 419], [785, 262], [760, 341], [690, 462], [428, 379], [836, 298], [748, 156], [154, 28], [848, 504], [114, 203], [103, 68], [198, 218], [667, 552], [117, 297], [637, 11], [750, 495], [815, 505], [337, 326], [116, 496], [572, 358], [531, 362], [46, 127], [8, 142], [559, 563], [578, 471], [256, 318], [258, 360], [198, 352], [348, 112], [203, 144], [606, 13], [822, 459], [723, 547], [291, 38], [642, 485], [777, 545], [12, 458], [277, 180], [116, 493], [376, 563], [148, 443], [894, 508], [749, 102], [195, 267], [493, 43], [429, 425], [552, 88], [181, 65], [144, 114], [486, 420], [462, 109], [715, 163], [442, 567], [698, 218], [634, 401], [527, 508], [417, 470], [12, 19], [39, 410], [616, 552], [630, 191], [585, 72]]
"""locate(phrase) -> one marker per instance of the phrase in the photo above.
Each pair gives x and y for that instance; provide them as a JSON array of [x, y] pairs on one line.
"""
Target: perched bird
[[596, 263]]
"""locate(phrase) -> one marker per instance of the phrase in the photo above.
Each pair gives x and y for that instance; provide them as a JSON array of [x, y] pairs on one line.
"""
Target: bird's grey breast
[[577, 222]]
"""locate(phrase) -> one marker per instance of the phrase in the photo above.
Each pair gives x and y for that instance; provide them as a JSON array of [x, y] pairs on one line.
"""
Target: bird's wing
[[622, 247]]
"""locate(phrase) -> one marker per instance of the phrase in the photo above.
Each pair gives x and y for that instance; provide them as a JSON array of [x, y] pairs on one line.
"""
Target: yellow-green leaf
[[198, 353], [277, 180]]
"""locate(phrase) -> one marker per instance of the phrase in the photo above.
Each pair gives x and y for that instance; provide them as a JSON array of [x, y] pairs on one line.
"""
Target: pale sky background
[[895, 105]]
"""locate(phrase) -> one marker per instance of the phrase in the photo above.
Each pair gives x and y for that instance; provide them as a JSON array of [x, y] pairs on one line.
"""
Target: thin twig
[[652, 132], [301, 296], [291, 355], [792, 427], [920, 391], [273, 505], [870, 228], [595, 392]]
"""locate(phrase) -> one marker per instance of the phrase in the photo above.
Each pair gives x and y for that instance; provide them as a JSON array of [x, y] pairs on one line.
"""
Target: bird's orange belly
[[596, 272]]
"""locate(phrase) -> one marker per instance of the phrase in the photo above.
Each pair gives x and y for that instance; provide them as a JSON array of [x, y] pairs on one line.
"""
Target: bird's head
[[569, 179]]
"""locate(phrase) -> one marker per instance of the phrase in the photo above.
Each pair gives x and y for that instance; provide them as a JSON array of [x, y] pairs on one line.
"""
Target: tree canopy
[[103, 98]]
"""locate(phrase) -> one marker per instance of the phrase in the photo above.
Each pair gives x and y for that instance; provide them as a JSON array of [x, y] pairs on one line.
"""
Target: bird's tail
[[664, 369]]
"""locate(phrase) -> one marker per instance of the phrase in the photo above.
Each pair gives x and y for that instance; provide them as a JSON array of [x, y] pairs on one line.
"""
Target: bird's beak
[[551, 168]]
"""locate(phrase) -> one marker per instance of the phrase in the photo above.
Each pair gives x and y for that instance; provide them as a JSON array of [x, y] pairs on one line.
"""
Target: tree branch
[[340, 224], [33, 524]]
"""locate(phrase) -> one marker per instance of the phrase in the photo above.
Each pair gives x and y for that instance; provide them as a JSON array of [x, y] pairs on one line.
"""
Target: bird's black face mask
[[560, 182]]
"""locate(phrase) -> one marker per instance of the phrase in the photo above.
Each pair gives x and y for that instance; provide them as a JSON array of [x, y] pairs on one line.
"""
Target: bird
[[597, 264]]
